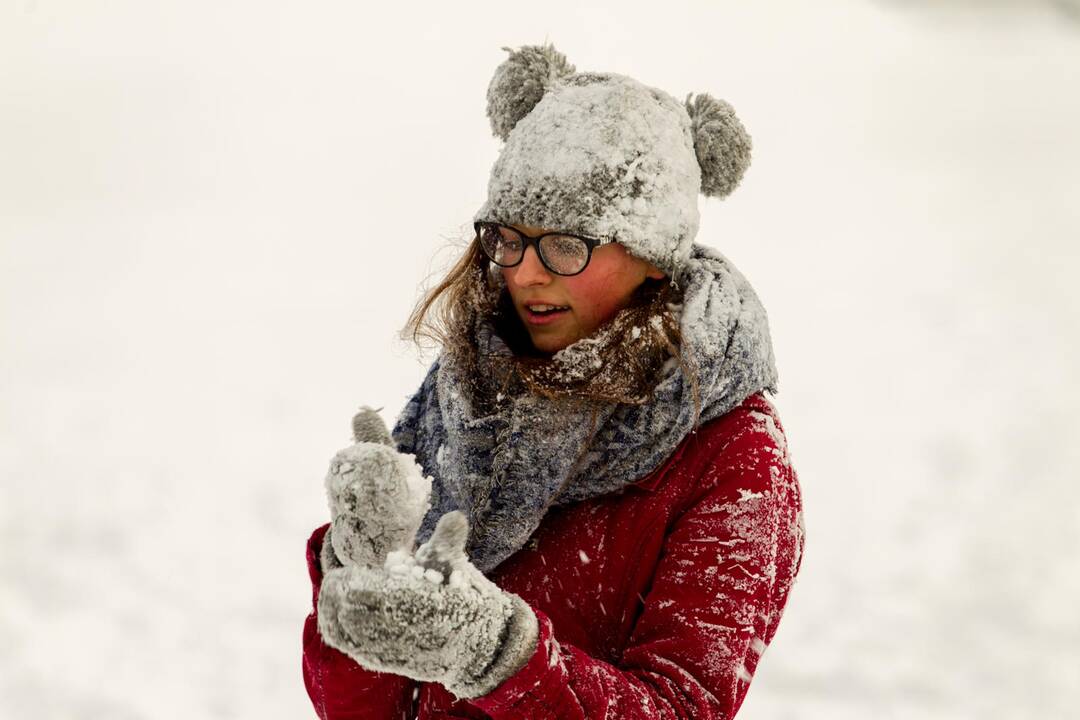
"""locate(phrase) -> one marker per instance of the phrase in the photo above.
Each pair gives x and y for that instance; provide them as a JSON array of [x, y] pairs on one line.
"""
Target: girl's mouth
[[544, 314]]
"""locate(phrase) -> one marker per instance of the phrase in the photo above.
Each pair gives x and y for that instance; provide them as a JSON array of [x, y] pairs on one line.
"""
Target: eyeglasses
[[561, 253]]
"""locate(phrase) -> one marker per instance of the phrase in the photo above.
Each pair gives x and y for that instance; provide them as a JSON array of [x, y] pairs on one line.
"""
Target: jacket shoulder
[[749, 439], [756, 419], [753, 409], [710, 445]]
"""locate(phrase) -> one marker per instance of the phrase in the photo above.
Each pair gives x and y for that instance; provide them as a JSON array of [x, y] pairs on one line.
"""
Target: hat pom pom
[[721, 143], [519, 83]]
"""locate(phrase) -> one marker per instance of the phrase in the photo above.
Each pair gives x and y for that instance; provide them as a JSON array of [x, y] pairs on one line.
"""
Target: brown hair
[[432, 320]]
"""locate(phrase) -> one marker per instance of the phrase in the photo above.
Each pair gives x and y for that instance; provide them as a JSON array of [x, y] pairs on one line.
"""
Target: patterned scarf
[[505, 438]]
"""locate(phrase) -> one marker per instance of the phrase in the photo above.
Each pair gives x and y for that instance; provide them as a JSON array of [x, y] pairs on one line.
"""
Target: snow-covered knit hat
[[603, 155]]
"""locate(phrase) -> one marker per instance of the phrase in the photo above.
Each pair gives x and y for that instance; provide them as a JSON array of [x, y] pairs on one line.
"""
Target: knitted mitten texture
[[377, 497], [432, 616]]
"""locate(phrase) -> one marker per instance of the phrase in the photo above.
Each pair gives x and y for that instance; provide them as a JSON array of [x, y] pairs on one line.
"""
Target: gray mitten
[[378, 497], [432, 617]]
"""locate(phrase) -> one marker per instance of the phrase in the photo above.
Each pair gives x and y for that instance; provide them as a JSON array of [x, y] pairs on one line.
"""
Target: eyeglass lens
[[562, 254]]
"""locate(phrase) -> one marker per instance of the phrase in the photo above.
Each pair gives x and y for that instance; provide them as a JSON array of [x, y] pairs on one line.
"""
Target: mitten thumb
[[445, 549], [367, 426]]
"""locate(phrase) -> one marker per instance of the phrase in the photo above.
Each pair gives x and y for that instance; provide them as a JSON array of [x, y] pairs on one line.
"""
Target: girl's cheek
[[586, 293], [595, 311]]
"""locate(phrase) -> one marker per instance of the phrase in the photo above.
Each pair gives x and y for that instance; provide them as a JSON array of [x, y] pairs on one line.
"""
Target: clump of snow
[[576, 361], [742, 673], [774, 432]]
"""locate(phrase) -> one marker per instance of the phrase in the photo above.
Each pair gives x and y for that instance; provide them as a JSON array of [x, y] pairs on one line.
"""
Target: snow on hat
[[603, 155]]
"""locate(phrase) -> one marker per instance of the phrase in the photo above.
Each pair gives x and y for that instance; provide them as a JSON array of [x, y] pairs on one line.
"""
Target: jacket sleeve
[[339, 688], [717, 594]]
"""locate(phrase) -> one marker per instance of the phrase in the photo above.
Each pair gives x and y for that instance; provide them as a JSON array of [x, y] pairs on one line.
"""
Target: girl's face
[[590, 298]]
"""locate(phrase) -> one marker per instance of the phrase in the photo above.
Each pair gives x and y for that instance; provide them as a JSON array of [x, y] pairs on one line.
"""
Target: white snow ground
[[213, 219]]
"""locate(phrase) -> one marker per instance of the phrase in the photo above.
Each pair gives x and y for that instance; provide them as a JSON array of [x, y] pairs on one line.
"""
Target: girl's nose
[[531, 271]]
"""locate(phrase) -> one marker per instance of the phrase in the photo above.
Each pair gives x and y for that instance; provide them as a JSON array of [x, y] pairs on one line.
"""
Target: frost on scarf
[[505, 468]]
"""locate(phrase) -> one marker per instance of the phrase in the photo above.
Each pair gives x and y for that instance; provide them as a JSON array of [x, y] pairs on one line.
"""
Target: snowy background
[[215, 217]]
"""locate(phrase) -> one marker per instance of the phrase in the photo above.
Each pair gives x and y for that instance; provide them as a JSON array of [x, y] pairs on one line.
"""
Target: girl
[[608, 519]]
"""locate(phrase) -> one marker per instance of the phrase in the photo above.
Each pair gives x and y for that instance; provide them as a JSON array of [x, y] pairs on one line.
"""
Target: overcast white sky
[[214, 219]]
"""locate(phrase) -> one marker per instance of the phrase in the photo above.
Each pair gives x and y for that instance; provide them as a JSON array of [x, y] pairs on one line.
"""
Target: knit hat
[[603, 155]]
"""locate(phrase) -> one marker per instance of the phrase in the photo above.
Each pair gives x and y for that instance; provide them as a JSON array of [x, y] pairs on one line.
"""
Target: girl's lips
[[535, 318]]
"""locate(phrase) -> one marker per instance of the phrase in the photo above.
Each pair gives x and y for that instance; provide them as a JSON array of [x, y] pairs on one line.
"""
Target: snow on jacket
[[654, 602]]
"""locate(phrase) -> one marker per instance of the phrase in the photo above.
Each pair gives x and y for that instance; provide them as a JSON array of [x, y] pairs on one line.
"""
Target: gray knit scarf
[[506, 465]]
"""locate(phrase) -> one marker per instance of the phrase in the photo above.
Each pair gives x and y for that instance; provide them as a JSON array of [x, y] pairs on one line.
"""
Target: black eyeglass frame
[[590, 245]]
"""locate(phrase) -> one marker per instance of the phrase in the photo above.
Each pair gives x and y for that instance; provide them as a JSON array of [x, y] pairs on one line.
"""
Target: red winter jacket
[[656, 602]]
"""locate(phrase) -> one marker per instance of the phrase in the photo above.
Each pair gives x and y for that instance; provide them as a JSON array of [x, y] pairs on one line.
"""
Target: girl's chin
[[550, 342]]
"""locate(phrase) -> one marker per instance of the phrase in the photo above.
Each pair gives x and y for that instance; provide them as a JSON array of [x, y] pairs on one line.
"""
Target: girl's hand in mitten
[[377, 496], [432, 617]]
